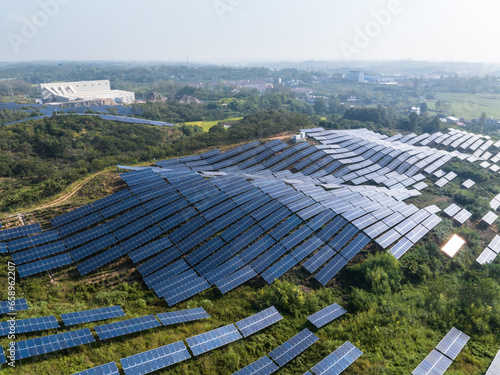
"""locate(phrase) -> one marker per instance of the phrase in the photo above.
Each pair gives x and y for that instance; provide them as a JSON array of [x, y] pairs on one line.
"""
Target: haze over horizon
[[237, 31]]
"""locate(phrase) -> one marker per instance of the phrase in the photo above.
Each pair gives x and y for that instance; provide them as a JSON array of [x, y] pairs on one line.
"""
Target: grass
[[206, 125], [469, 106]]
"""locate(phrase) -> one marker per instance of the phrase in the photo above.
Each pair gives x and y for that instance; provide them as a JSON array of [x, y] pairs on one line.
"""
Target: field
[[206, 125], [470, 106]]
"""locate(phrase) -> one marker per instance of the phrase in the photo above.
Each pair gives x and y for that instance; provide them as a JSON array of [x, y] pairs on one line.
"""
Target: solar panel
[[214, 260], [259, 321], [13, 305], [237, 228], [79, 224], [182, 316], [319, 258], [279, 268], [28, 325], [331, 269], [29, 269], [93, 315], [495, 366], [72, 215], [38, 252], [204, 250], [338, 360], [257, 248], [113, 198], [331, 228], [321, 219], [100, 260], [262, 366], [226, 268], [125, 327], [150, 249], [13, 233], [34, 240], [452, 343], [2, 353], [326, 315], [93, 247], [307, 248], [235, 279], [293, 347], [86, 236], [400, 248], [118, 207], [188, 289], [434, 364], [214, 339], [343, 237], [107, 369], [48, 344], [268, 257], [155, 359]]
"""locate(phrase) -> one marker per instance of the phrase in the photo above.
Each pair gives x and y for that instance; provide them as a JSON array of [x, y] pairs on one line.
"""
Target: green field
[[206, 125], [470, 106]]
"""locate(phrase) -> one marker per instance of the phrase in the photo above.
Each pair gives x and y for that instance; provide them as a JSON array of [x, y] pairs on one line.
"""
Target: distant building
[[356, 75], [301, 137], [83, 91]]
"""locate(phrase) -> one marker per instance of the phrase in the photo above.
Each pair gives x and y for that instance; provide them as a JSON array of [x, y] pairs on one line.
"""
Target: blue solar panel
[[150, 249], [272, 220], [268, 258], [119, 207], [168, 209], [155, 193], [185, 291], [262, 366], [285, 227], [126, 218], [296, 237], [48, 344], [88, 235], [257, 248], [125, 327], [326, 315], [34, 240], [248, 196], [138, 189], [93, 315], [343, 237], [28, 325], [93, 247], [307, 248], [113, 198], [226, 268], [186, 229], [355, 246], [159, 261], [235, 279], [237, 228], [213, 339], [331, 228], [279, 268], [13, 305], [107, 369], [79, 224], [331, 269], [155, 359], [29, 269], [13, 233], [134, 227], [259, 321], [245, 238], [38, 252], [319, 258], [2, 354], [177, 219], [227, 219], [141, 238], [338, 361], [160, 279], [266, 210], [182, 316], [255, 203], [72, 215], [205, 250], [293, 347], [214, 260], [100, 260]]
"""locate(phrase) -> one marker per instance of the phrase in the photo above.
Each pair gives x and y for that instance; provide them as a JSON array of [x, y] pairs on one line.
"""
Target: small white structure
[[301, 137], [83, 90]]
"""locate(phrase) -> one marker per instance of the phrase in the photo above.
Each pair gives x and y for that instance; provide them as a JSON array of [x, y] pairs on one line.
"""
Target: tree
[[423, 108], [320, 106]]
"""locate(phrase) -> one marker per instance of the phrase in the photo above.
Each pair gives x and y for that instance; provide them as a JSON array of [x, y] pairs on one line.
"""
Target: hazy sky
[[229, 31]]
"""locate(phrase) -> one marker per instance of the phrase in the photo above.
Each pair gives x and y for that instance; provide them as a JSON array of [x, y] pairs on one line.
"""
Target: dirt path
[[69, 194]]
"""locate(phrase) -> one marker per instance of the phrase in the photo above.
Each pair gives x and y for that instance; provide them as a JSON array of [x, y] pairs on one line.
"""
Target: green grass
[[206, 125], [470, 106]]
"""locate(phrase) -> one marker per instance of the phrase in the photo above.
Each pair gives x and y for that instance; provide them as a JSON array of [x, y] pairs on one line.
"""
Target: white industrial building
[[82, 91]]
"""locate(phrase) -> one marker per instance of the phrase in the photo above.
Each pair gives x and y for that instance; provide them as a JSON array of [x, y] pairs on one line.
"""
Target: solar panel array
[[494, 366], [214, 339], [106, 369], [293, 347], [338, 361], [262, 366], [182, 316], [259, 321], [13, 305], [93, 315], [326, 315], [125, 327], [266, 209], [48, 344], [438, 361], [28, 325], [156, 359]]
